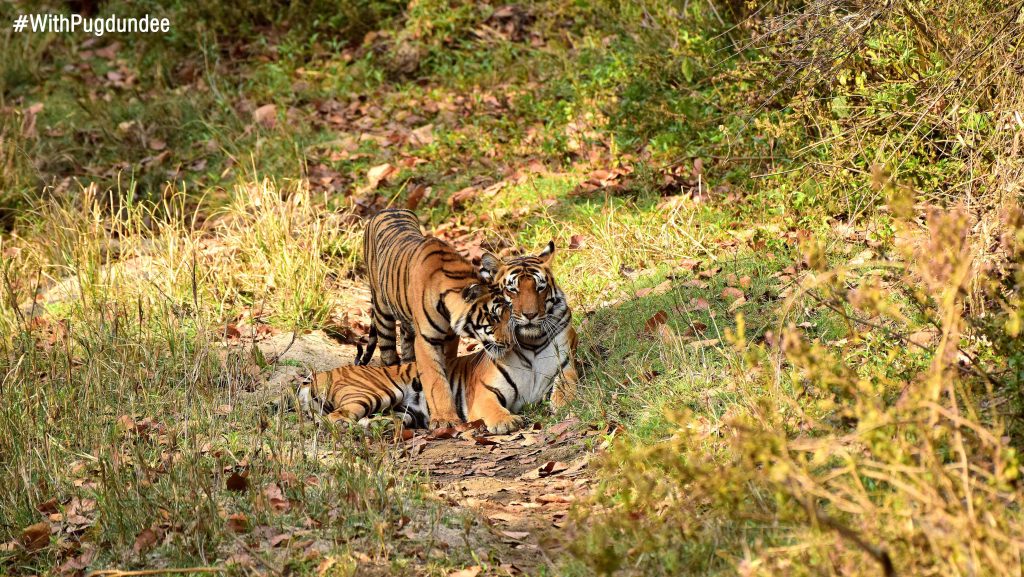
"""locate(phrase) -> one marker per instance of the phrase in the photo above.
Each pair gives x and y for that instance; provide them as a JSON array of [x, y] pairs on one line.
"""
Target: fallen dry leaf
[[731, 293], [557, 430], [275, 495], [551, 468], [279, 540], [472, 571], [704, 343], [145, 539], [237, 482], [442, 433], [76, 565], [695, 327], [661, 289], [659, 318], [35, 537], [416, 194], [709, 272], [265, 115], [422, 136], [463, 196], [325, 565], [924, 337], [28, 124], [737, 303], [47, 506], [378, 174], [238, 522]]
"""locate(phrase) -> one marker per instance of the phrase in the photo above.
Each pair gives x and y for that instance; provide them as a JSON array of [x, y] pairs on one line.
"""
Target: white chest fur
[[530, 373]]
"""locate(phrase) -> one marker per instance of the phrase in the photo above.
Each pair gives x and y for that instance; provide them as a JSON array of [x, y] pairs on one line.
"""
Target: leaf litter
[[521, 486]]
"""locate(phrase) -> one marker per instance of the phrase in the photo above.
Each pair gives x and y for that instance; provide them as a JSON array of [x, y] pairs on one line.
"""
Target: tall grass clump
[[276, 242], [16, 184]]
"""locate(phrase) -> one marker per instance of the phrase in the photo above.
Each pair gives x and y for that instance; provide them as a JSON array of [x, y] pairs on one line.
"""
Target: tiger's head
[[538, 305], [486, 319]]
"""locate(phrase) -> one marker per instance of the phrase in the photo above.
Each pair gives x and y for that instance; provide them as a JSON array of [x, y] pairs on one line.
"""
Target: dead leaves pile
[[64, 522]]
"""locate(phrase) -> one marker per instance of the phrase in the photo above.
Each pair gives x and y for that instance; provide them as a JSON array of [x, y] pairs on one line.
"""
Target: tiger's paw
[[340, 418], [443, 421], [506, 424]]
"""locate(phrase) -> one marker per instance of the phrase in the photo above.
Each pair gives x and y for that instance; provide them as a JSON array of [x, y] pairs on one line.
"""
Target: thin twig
[[877, 552]]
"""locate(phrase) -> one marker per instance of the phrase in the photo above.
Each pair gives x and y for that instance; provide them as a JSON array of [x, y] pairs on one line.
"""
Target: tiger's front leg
[[434, 377], [498, 420], [451, 349]]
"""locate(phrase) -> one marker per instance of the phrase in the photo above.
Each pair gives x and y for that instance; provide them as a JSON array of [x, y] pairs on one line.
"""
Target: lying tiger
[[491, 384]]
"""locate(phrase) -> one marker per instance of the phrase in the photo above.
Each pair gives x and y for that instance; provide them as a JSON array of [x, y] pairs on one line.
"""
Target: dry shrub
[[932, 89], [836, 463]]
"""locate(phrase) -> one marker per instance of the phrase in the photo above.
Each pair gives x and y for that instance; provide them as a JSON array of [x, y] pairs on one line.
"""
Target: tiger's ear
[[545, 255], [472, 292], [489, 267]]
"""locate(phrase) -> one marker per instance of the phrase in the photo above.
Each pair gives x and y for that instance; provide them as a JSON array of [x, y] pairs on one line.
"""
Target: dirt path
[[519, 487]]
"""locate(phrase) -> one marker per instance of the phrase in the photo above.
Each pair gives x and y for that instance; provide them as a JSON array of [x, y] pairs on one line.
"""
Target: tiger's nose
[[530, 316]]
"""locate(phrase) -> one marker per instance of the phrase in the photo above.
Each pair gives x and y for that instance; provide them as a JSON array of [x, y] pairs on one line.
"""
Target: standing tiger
[[489, 385], [423, 283], [540, 313]]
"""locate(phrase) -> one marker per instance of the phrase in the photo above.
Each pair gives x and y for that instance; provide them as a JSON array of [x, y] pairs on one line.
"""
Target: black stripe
[[459, 401], [433, 341], [426, 314], [364, 406], [508, 379], [499, 394], [391, 390]]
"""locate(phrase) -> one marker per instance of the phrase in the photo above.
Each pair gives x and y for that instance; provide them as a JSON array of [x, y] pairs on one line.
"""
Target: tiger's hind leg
[[385, 328], [408, 340], [364, 358]]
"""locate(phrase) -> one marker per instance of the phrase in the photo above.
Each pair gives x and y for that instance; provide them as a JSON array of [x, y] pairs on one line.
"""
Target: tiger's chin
[[531, 331]]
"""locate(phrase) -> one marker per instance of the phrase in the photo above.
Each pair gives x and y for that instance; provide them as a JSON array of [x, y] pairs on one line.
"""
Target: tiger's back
[[404, 267]]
